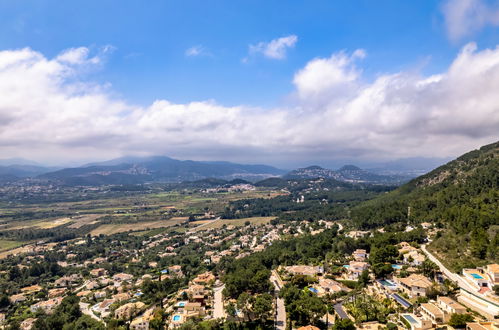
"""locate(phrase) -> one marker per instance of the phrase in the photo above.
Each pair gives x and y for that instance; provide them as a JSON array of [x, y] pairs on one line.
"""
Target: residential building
[[140, 323], [304, 270], [128, 310], [431, 312], [47, 306], [477, 277], [98, 272], [17, 298], [489, 325], [27, 324], [122, 277], [415, 285], [416, 323], [355, 269], [204, 278], [450, 306], [492, 272], [360, 254]]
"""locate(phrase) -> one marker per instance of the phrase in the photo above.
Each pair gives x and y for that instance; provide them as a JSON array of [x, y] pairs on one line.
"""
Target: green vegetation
[[461, 198]]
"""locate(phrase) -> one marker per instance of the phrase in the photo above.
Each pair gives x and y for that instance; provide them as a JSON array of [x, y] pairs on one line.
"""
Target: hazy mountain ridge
[[130, 170], [347, 173]]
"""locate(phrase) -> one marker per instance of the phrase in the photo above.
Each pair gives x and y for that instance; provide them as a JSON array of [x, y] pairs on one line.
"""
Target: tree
[[429, 268], [382, 270], [231, 310], [364, 278], [244, 303], [263, 306], [459, 320], [496, 289], [344, 324]]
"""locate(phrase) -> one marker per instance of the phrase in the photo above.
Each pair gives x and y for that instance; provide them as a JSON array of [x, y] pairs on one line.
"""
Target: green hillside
[[460, 197]]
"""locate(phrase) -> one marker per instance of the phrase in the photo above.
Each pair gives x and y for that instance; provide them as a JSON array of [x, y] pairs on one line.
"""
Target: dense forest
[[460, 197]]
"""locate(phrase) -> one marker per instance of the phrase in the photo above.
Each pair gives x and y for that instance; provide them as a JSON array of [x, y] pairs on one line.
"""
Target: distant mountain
[[134, 170], [312, 172], [23, 171], [461, 198], [17, 161], [347, 173]]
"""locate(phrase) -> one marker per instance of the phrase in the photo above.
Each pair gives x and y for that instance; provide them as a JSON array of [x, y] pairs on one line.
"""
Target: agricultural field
[[110, 229], [215, 224], [142, 213]]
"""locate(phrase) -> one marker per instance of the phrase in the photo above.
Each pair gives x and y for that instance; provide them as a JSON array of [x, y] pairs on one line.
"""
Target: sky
[[284, 83]]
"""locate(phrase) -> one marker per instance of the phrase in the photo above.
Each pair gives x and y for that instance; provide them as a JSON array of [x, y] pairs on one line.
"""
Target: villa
[[477, 277], [122, 277], [128, 310], [416, 323], [359, 255], [490, 325], [450, 306], [47, 306], [415, 285], [98, 272], [304, 270], [205, 278], [355, 269], [432, 313], [492, 271]]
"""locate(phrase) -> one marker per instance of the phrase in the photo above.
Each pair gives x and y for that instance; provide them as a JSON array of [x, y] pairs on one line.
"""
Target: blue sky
[[129, 54], [150, 41]]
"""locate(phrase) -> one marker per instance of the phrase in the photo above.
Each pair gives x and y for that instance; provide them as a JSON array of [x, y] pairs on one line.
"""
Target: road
[[84, 307], [491, 306], [280, 307], [205, 224], [453, 276], [218, 305]]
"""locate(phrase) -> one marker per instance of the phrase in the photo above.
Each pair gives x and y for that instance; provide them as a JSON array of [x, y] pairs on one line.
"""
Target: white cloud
[[275, 49], [463, 17], [196, 51], [47, 112], [328, 75]]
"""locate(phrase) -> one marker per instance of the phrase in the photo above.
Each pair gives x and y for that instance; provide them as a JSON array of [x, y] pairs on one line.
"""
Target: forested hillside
[[461, 197]]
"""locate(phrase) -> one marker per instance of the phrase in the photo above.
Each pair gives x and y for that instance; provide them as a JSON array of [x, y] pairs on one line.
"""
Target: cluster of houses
[[407, 290]]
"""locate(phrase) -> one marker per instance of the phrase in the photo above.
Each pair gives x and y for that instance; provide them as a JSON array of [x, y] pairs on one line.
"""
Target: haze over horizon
[[329, 83]]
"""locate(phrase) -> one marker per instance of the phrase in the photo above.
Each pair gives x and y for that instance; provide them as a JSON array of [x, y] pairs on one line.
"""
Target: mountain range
[[138, 170], [135, 170], [347, 173]]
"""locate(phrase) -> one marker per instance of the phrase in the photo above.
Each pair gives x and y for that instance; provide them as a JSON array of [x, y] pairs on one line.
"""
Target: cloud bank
[[49, 111]]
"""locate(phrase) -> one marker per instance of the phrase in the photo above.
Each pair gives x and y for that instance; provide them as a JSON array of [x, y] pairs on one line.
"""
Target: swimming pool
[[476, 276], [346, 266], [176, 318], [313, 290], [409, 318], [401, 300], [386, 283], [181, 304], [396, 266]]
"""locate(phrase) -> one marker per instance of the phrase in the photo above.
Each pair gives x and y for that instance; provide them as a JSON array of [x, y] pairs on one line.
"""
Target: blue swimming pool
[[176, 318], [313, 290], [476, 276], [397, 266], [346, 266], [181, 304]]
